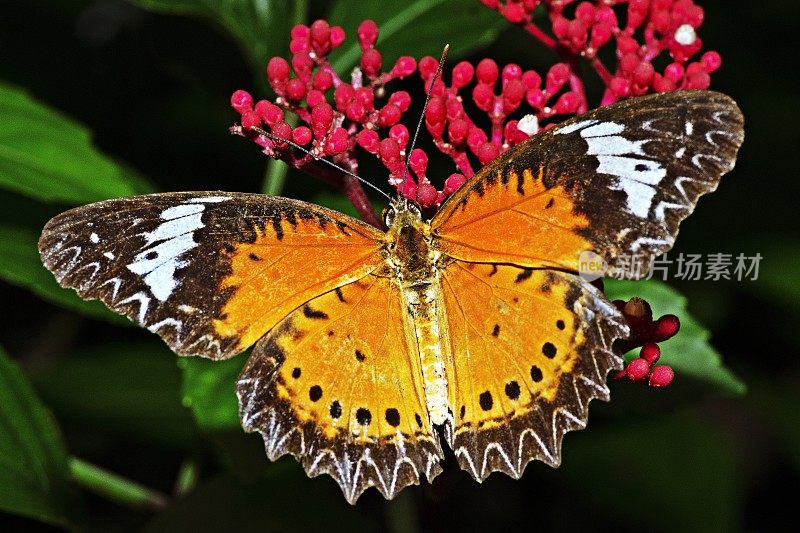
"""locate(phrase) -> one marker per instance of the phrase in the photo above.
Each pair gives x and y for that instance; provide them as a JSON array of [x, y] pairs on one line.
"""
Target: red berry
[[401, 99], [638, 369], [711, 61], [399, 133], [486, 152], [661, 376], [337, 142], [282, 130], [241, 101], [665, 327], [621, 87], [457, 130], [302, 135], [271, 113], [620, 374], [367, 33], [567, 103], [513, 12], [389, 115], [337, 36], [483, 96], [404, 66], [428, 67], [418, 161], [371, 62], [650, 352], [369, 141], [487, 71], [426, 194], [314, 98], [453, 183], [250, 119], [323, 80], [462, 74], [557, 76], [295, 90]]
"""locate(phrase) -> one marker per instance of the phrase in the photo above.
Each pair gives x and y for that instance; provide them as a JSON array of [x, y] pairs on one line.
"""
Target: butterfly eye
[[388, 215]]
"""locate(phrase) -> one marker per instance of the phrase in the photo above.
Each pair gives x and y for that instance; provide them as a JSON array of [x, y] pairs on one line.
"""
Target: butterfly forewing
[[209, 272], [616, 181]]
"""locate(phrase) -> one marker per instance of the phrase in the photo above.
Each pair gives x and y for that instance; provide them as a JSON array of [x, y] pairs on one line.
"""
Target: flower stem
[[115, 488]]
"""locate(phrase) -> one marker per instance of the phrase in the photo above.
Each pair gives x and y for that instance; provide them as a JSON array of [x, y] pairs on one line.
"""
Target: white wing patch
[[166, 244], [620, 157]]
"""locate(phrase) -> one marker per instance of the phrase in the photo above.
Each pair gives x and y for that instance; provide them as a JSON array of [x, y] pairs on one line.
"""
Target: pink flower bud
[[241, 101], [511, 72], [426, 194], [453, 183], [475, 139], [513, 12], [483, 96], [567, 103], [269, 112], [321, 37], [462, 74], [401, 99], [585, 13], [427, 67], [337, 142], [321, 119], [283, 131], [418, 161], [620, 87], [342, 96], [369, 141], [314, 98], [487, 71], [367, 33], [638, 369], [302, 135], [557, 76], [277, 71], [531, 80], [643, 73], [560, 26], [337, 36], [300, 32], [486, 152], [371, 62], [711, 61], [674, 72], [250, 119], [356, 111], [457, 131], [322, 80], [295, 90], [661, 376], [436, 113], [389, 115], [650, 352], [302, 64], [399, 133], [404, 66], [627, 45], [513, 93]]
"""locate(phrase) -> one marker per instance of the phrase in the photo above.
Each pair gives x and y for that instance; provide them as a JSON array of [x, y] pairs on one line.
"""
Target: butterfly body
[[374, 349]]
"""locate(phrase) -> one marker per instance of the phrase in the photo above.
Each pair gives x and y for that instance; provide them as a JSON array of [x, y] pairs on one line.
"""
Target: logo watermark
[[687, 267]]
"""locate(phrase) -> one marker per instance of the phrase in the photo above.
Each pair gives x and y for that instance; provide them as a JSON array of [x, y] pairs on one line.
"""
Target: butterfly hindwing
[[616, 181], [210, 272], [338, 385], [530, 349]]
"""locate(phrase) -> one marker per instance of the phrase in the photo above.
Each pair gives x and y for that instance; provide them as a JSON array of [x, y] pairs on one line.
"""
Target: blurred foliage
[[33, 461], [107, 86]]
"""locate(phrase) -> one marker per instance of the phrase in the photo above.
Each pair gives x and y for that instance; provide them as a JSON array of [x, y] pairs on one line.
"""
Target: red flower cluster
[[646, 332], [640, 31], [340, 119]]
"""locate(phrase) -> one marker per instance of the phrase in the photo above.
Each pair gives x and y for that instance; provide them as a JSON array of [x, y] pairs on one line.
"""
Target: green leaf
[[50, 157], [688, 352], [260, 27], [20, 265], [33, 461], [131, 390], [209, 390], [416, 28]]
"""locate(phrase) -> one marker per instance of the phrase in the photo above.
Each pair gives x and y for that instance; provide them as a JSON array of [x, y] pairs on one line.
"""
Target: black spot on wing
[[315, 393], [363, 416], [525, 274], [485, 400]]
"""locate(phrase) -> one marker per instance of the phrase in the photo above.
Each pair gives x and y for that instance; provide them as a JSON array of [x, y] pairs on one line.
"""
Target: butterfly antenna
[[318, 158], [422, 116]]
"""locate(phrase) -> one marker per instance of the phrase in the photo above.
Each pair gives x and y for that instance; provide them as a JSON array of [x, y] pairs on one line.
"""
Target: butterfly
[[375, 349]]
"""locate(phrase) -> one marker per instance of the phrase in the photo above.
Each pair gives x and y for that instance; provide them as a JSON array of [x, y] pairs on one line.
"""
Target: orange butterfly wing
[[617, 181], [338, 385], [530, 349], [210, 272]]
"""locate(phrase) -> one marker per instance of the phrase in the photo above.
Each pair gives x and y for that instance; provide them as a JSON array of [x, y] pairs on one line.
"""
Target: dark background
[[155, 91]]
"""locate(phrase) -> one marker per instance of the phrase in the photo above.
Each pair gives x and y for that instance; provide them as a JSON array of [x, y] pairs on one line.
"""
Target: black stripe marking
[[340, 295], [313, 313], [525, 274]]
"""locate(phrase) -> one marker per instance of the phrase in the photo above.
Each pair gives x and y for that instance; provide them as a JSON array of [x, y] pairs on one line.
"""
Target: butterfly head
[[401, 211]]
